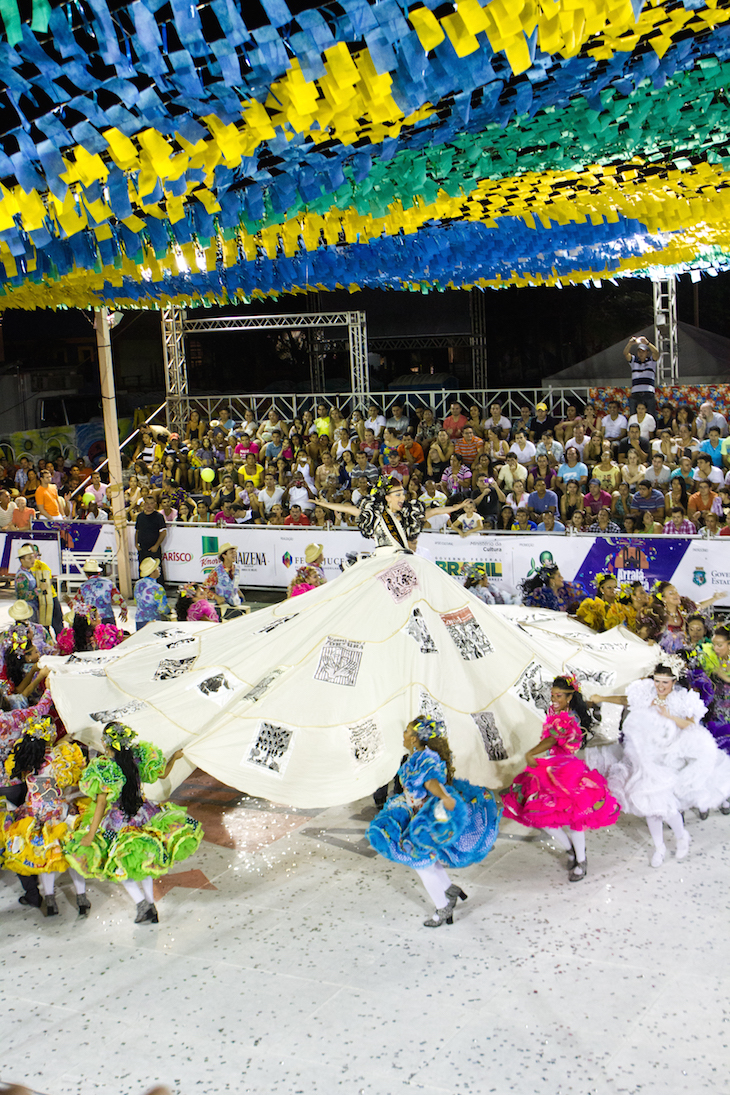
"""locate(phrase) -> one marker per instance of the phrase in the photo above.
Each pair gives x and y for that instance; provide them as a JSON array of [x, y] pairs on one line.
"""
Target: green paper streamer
[[41, 15], [11, 18]]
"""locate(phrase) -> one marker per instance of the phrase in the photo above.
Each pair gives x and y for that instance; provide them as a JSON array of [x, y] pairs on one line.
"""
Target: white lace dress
[[664, 769]]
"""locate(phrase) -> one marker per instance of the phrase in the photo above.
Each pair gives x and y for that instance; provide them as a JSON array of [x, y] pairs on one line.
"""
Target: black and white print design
[[430, 707], [400, 580], [174, 637], [271, 748], [261, 687], [604, 677], [217, 688], [92, 665], [418, 630], [366, 741], [169, 668], [117, 714], [467, 635], [275, 623], [339, 662], [491, 737], [533, 689]]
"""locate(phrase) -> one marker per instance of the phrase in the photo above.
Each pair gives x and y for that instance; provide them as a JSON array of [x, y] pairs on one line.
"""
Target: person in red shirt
[[468, 447], [225, 515], [454, 423], [596, 499], [297, 516]]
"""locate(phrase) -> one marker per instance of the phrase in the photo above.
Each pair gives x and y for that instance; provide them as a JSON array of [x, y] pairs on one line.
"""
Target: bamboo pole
[[111, 434]]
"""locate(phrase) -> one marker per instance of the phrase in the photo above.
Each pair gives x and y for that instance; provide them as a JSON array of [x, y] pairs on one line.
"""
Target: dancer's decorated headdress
[[19, 639], [118, 736], [42, 729], [600, 579], [426, 728], [572, 680], [673, 662]]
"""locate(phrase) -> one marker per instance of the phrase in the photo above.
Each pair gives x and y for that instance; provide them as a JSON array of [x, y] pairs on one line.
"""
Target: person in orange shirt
[[47, 499], [411, 452], [699, 502], [22, 514]]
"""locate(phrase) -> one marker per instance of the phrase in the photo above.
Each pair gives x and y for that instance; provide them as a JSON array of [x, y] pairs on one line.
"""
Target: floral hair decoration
[[43, 729], [673, 662], [118, 736], [19, 639], [600, 579], [572, 681], [426, 729]]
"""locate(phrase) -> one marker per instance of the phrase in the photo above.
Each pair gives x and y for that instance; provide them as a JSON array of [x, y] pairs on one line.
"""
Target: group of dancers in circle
[[61, 810]]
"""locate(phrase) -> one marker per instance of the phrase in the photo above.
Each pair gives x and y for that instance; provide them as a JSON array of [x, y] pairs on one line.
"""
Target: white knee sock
[[134, 891], [676, 825], [148, 889], [78, 880], [433, 879], [560, 837], [48, 882], [578, 840], [656, 828]]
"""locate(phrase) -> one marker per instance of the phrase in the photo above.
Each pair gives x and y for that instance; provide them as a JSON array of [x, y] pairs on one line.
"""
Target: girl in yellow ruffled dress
[[33, 835], [127, 838], [628, 607], [592, 611]]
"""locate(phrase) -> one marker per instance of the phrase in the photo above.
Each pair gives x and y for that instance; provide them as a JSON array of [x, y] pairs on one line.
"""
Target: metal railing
[[292, 404]]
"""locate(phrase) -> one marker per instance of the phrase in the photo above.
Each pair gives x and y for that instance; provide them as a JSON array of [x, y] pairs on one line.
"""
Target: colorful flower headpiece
[[655, 591], [189, 589], [572, 680], [426, 729], [118, 736], [19, 639], [600, 579], [385, 485], [43, 729], [474, 570]]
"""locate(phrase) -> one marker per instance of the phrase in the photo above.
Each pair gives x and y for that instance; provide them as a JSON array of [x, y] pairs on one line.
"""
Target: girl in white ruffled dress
[[670, 762]]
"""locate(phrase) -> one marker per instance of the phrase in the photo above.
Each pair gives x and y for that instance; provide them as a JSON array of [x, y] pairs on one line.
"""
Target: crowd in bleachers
[[583, 471]]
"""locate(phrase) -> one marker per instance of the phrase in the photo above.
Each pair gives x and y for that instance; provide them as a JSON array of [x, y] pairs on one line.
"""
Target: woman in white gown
[[670, 762]]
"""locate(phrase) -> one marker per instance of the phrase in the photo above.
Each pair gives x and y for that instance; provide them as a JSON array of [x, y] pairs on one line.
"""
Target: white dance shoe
[[658, 858]]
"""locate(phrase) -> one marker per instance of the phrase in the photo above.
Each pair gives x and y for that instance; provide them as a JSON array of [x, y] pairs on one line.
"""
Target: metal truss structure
[[478, 314], [176, 325], [665, 331], [176, 369]]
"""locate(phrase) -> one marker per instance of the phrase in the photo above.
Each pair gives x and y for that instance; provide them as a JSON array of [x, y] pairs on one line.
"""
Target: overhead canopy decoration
[[158, 150]]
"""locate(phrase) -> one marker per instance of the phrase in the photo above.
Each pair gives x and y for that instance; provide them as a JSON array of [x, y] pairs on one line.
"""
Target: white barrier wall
[[269, 556]]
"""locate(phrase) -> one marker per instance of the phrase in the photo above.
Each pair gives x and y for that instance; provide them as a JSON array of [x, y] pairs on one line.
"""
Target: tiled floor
[[289, 959]]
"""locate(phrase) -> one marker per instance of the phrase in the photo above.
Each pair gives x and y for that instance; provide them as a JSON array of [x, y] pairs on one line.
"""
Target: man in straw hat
[[98, 592], [149, 596], [34, 584], [311, 574], [221, 584], [21, 615]]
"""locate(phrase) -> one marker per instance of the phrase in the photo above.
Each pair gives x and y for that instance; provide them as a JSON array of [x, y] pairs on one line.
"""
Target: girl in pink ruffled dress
[[88, 633], [557, 791]]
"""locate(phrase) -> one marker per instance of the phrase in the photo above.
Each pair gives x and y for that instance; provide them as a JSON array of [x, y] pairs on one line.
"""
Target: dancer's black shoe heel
[[578, 872], [704, 814], [51, 906], [82, 904], [455, 892], [152, 916], [443, 916]]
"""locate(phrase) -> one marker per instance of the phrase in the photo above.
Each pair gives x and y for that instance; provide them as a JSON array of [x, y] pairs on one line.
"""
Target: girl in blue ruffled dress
[[437, 821]]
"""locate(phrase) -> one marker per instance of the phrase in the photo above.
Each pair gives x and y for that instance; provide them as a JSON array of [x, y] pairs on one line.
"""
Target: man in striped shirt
[[642, 357], [468, 446]]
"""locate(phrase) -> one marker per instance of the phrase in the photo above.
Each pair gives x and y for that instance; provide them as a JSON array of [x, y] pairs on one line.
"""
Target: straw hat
[[313, 552], [20, 610], [91, 567], [226, 547], [147, 566], [25, 549]]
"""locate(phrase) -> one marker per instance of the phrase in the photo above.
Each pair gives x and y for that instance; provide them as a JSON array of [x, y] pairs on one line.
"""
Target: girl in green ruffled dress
[[127, 838]]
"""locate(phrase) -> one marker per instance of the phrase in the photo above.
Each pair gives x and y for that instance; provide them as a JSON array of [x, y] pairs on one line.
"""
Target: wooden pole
[[111, 434]]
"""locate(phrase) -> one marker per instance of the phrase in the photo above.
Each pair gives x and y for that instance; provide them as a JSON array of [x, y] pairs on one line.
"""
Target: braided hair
[[26, 757], [130, 800], [83, 631], [577, 705], [15, 664], [183, 605]]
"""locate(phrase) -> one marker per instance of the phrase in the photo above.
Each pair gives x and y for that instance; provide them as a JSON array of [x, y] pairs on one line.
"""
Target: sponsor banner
[[269, 556], [47, 543]]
